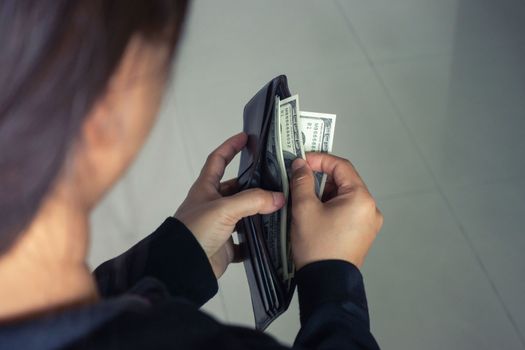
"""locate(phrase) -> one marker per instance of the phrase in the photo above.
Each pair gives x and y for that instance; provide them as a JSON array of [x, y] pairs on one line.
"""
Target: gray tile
[[465, 112], [492, 216], [407, 28], [425, 288], [236, 293], [237, 39], [215, 307], [286, 327], [209, 115], [110, 235]]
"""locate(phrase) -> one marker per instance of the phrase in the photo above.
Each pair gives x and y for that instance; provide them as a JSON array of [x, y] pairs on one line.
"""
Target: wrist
[[194, 231]]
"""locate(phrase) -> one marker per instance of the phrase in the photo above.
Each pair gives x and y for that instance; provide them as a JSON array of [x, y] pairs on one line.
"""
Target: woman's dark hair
[[56, 58]]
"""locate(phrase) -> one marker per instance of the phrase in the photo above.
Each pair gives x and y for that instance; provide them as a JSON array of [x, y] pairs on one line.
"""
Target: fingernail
[[298, 163], [278, 199]]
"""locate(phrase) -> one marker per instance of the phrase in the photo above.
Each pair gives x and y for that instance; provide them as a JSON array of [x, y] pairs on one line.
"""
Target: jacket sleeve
[[333, 307], [170, 255]]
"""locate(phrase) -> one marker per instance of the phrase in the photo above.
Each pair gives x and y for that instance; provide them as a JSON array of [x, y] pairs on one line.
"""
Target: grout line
[[176, 123], [223, 301], [483, 267], [491, 182], [432, 189], [445, 53], [438, 186], [411, 193]]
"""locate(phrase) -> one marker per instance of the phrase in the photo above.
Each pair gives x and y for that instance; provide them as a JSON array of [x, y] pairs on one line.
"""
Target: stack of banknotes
[[292, 133]]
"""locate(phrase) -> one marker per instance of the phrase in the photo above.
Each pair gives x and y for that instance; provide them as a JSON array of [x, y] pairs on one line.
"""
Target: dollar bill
[[317, 132], [291, 142], [275, 167], [292, 133], [291, 138]]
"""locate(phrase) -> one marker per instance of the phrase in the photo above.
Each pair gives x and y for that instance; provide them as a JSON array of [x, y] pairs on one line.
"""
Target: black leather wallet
[[270, 295]]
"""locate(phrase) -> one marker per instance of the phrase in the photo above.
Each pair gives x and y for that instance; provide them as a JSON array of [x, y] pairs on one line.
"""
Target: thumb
[[251, 202], [303, 182]]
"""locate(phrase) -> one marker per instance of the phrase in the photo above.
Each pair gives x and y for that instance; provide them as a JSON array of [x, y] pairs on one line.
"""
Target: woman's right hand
[[343, 225]]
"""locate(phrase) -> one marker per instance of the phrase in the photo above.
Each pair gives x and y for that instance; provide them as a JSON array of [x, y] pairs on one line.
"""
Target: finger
[[250, 202], [341, 170], [303, 182], [229, 187], [213, 169]]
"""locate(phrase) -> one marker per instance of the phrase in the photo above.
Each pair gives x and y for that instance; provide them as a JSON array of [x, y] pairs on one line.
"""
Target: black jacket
[[152, 294]]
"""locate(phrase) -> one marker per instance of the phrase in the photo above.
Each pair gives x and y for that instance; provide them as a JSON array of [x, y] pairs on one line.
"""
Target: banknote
[[317, 132], [291, 142], [275, 166], [292, 133]]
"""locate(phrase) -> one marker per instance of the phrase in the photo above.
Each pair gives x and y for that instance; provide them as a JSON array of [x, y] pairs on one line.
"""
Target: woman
[[80, 84]]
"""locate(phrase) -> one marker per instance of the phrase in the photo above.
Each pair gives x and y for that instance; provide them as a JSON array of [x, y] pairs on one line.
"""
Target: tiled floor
[[430, 98]]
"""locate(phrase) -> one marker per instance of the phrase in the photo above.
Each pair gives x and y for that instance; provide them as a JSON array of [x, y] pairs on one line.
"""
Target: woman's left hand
[[211, 209]]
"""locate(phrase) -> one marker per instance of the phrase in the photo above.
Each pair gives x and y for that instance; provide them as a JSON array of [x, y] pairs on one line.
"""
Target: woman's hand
[[343, 225], [211, 209]]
